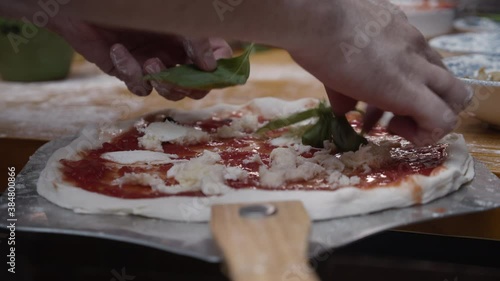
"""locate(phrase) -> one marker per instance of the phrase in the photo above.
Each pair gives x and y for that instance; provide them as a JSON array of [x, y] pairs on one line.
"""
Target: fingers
[[433, 118], [153, 66], [403, 126], [196, 94], [221, 48], [426, 102], [169, 91], [204, 53], [201, 53], [129, 70], [449, 88], [434, 57], [340, 103], [372, 116], [408, 128]]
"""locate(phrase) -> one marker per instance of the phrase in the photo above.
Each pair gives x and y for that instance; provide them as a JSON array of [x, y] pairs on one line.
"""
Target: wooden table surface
[[32, 114]]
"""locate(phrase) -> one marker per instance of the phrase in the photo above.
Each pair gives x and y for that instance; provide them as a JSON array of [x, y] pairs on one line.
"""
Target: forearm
[[273, 22], [252, 20], [16, 9]]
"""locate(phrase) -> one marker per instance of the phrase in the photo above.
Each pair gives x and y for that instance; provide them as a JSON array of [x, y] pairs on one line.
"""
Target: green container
[[35, 56]]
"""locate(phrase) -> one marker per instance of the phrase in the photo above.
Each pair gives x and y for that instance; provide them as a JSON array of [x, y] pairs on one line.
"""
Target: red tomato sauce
[[92, 173]]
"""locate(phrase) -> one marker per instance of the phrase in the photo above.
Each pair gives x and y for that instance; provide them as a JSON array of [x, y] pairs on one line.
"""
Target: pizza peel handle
[[265, 241]]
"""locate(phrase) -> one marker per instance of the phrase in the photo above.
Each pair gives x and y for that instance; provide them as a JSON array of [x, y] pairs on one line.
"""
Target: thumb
[[340, 103], [221, 48]]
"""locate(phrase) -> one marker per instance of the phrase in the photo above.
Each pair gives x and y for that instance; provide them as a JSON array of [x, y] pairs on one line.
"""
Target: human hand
[[130, 54], [365, 50]]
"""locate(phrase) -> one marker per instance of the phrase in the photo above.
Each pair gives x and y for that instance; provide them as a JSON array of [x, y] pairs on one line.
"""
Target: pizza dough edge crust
[[457, 170]]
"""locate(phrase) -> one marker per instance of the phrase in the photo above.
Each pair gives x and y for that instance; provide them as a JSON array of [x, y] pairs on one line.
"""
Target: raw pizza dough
[[416, 189]]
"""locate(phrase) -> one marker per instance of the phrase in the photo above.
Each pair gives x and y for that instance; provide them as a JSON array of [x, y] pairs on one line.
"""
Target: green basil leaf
[[290, 120], [345, 137], [312, 136], [229, 72], [328, 127], [327, 132]]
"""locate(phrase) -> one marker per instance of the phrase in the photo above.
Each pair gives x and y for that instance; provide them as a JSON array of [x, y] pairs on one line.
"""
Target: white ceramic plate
[[432, 18], [431, 22], [468, 43]]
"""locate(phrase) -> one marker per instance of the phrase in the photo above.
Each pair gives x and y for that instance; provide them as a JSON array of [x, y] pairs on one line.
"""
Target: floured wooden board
[[483, 142], [49, 110]]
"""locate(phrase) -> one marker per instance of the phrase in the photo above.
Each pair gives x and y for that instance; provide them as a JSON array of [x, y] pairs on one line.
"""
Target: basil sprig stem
[[327, 128], [290, 120], [229, 72]]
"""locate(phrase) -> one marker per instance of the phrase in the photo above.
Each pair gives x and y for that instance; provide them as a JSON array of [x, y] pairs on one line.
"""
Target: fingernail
[[153, 67], [117, 53], [140, 90], [188, 47], [469, 99]]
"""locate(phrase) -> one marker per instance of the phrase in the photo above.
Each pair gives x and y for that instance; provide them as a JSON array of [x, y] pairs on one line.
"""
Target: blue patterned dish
[[468, 43]]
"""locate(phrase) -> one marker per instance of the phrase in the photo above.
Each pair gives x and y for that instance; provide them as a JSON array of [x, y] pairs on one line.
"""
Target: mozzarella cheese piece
[[139, 157], [300, 148], [285, 140], [367, 157], [235, 174], [140, 179], [152, 180], [159, 132], [328, 161], [336, 179], [287, 165], [206, 174], [239, 127], [255, 158]]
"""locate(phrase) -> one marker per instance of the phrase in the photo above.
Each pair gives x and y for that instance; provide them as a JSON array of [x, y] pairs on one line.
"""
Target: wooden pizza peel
[[266, 241]]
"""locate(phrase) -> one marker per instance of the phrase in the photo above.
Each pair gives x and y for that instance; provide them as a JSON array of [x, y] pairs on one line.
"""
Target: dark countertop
[[387, 256]]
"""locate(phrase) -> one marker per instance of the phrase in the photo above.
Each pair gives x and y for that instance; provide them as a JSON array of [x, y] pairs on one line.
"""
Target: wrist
[[281, 23], [305, 24]]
